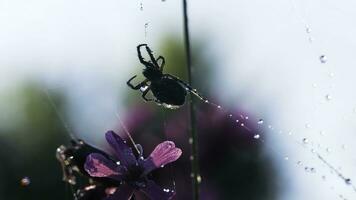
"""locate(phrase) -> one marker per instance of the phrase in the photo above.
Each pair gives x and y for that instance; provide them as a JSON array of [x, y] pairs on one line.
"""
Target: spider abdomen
[[168, 91]]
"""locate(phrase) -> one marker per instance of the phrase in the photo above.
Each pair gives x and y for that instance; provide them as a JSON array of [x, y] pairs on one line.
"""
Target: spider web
[[310, 130]]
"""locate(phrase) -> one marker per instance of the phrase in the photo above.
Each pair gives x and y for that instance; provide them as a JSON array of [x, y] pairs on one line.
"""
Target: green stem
[[193, 130]]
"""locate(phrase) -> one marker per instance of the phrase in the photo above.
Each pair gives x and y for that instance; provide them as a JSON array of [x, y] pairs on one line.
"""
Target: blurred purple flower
[[132, 172]]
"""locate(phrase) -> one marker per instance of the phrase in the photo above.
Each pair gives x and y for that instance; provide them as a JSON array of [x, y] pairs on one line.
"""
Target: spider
[[167, 89]]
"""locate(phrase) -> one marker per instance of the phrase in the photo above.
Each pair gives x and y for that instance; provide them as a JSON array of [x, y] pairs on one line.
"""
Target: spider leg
[[162, 64], [187, 87], [142, 60], [138, 86], [150, 53], [144, 93]]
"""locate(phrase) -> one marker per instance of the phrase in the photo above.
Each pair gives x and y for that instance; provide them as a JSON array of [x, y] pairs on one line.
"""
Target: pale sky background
[[268, 65]]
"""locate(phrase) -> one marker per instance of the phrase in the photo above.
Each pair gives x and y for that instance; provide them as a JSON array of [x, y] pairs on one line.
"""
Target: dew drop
[[269, 126], [246, 117], [219, 106], [206, 101], [323, 59], [191, 157], [166, 190], [308, 29], [237, 121], [343, 146], [199, 179], [230, 115], [190, 140], [25, 181], [328, 97], [257, 136], [286, 158], [348, 181], [305, 140], [260, 121], [242, 124], [118, 163]]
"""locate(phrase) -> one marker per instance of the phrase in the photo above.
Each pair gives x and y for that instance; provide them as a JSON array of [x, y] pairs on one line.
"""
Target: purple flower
[[132, 172]]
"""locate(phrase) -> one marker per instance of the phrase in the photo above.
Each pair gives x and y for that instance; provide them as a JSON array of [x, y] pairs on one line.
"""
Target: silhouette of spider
[[168, 90]]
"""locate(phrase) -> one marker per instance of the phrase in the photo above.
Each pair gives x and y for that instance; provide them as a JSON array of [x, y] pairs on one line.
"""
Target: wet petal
[[153, 191], [122, 150], [98, 165], [164, 153], [123, 192]]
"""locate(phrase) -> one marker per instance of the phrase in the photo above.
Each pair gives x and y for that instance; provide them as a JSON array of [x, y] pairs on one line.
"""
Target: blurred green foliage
[[28, 148]]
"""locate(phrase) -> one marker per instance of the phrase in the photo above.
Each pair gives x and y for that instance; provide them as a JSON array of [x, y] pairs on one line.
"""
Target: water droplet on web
[[305, 140], [190, 140], [246, 117], [141, 6], [199, 179], [307, 125], [323, 59], [257, 136], [328, 150], [230, 115], [242, 124], [166, 190], [328, 97], [348, 181], [308, 29], [269, 126], [260, 121], [299, 163], [118, 163], [237, 121], [286, 158], [206, 101], [25, 181], [146, 27], [219, 106]]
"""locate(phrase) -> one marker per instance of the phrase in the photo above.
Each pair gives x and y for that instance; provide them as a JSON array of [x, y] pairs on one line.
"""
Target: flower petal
[[98, 165], [123, 192], [163, 154], [122, 150], [153, 191]]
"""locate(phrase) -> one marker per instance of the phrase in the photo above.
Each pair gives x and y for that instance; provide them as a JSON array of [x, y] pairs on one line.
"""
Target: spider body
[[167, 89]]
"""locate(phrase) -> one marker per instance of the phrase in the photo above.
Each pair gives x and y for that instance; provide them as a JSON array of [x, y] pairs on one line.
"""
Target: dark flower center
[[134, 176]]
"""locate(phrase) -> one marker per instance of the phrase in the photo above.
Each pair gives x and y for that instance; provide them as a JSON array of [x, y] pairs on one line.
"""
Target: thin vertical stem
[[193, 130]]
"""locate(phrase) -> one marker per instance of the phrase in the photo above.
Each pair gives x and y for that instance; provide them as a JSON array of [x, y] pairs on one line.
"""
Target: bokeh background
[[259, 59]]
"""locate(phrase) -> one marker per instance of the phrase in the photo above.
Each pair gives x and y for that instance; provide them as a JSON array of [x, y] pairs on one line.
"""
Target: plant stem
[[193, 130]]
